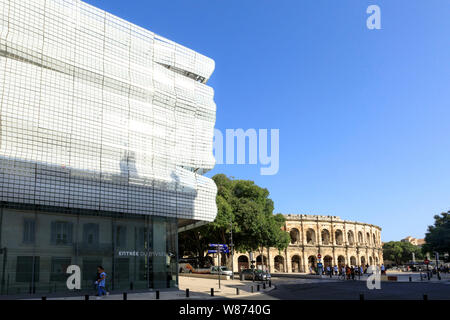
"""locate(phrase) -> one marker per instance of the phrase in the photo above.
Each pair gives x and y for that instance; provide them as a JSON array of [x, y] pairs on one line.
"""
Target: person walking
[[335, 270], [383, 269], [101, 282], [352, 272], [348, 272]]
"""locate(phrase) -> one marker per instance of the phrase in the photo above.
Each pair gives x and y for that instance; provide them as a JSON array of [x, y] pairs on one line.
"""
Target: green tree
[[438, 236], [245, 208], [401, 252]]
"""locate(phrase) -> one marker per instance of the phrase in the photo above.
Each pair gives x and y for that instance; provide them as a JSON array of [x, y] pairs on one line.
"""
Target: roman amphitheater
[[339, 242]]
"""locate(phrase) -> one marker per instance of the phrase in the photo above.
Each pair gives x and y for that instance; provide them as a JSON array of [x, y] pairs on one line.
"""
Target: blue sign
[[220, 250], [218, 245], [319, 265]]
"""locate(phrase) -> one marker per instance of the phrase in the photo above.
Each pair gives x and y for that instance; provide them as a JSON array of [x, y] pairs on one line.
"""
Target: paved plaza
[[316, 289], [199, 289]]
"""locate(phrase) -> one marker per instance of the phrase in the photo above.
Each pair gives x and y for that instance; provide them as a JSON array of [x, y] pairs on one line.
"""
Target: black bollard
[[257, 287], [125, 296], [410, 279], [425, 297], [252, 289], [361, 296], [86, 297], [212, 292], [187, 293], [157, 294], [264, 285], [270, 283], [44, 298], [237, 291]]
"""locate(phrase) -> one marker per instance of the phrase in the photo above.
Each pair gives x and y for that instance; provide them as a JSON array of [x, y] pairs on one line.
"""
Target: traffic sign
[[426, 261], [220, 250], [319, 256], [218, 245]]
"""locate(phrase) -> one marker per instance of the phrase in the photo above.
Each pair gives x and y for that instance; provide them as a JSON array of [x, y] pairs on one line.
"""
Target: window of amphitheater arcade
[[295, 235], [370, 261], [341, 261], [261, 262], [279, 264], [353, 261], [360, 238], [310, 236], [243, 263], [367, 238], [328, 261], [296, 263], [374, 240], [363, 261], [350, 238], [339, 236], [311, 261], [326, 239]]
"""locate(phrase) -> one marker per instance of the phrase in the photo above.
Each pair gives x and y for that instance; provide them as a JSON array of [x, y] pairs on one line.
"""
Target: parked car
[[263, 275], [223, 270], [249, 274]]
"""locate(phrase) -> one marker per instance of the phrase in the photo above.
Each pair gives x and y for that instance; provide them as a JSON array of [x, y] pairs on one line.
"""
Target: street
[[316, 289]]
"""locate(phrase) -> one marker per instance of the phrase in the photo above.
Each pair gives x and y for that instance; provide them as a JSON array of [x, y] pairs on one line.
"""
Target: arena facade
[[339, 242]]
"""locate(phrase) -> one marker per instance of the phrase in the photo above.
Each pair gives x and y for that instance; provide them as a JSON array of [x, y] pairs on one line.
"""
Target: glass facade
[[137, 251], [106, 130], [97, 113]]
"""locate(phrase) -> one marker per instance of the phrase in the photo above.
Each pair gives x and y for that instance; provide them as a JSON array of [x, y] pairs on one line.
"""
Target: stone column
[[304, 260], [287, 264], [271, 262]]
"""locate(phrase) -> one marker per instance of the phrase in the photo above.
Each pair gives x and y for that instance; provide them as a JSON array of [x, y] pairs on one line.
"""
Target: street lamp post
[[232, 248]]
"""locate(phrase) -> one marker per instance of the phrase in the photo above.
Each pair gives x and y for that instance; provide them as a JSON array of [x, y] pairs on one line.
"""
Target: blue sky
[[364, 115]]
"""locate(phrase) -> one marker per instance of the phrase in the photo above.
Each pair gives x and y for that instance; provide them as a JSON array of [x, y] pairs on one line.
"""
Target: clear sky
[[364, 115]]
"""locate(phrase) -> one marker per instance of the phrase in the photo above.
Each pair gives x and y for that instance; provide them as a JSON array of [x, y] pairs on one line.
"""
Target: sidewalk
[[199, 289]]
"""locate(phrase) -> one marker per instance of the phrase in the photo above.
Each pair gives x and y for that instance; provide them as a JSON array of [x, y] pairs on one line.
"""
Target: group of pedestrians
[[349, 272]]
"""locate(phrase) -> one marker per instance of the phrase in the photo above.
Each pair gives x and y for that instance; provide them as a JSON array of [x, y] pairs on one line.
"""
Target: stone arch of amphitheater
[[339, 242]]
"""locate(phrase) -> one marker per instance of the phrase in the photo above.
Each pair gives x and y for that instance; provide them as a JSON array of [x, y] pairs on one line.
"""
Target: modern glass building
[[106, 130]]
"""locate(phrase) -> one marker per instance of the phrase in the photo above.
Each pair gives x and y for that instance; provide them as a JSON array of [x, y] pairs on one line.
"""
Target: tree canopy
[[438, 236], [245, 207], [401, 252]]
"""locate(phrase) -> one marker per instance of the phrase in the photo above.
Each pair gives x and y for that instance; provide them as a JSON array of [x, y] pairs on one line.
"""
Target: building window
[[61, 233], [29, 231], [121, 236], [91, 234], [24, 269], [59, 268]]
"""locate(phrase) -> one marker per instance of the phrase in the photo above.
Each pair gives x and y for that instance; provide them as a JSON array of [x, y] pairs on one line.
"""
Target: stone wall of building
[[339, 242]]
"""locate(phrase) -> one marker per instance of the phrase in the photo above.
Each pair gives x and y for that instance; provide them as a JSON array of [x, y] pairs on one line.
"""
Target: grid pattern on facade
[[97, 113]]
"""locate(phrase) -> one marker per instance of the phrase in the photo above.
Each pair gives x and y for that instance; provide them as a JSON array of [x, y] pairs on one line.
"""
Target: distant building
[[414, 241], [339, 242]]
